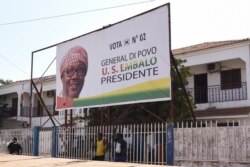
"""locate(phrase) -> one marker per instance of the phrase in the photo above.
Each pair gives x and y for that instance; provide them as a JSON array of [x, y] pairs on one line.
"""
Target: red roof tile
[[207, 45]]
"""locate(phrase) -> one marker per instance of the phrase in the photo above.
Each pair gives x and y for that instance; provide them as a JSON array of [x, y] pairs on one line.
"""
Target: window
[[231, 79]]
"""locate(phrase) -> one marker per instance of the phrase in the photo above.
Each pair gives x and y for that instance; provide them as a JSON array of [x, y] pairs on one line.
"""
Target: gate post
[[36, 140], [54, 142], [170, 144]]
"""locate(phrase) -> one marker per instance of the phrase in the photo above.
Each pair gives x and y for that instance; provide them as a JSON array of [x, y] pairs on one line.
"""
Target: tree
[[3, 109], [5, 82], [182, 111], [149, 112]]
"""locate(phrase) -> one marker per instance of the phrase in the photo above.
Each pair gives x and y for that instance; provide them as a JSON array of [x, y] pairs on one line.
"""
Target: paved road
[[7, 160]]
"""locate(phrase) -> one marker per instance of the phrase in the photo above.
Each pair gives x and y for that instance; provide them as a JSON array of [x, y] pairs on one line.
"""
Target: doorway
[[200, 88], [14, 106]]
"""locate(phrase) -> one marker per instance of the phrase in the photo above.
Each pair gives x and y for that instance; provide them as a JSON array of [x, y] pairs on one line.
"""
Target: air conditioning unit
[[211, 66], [25, 125]]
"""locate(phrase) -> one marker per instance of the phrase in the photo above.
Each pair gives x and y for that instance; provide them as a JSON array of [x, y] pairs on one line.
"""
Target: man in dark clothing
[[14, 147], [120, 148]]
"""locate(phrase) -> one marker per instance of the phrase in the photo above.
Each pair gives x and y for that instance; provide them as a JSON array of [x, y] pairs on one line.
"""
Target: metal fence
[[146, 143], [216, 93], [24, 137], [45, 143], [206, 141]]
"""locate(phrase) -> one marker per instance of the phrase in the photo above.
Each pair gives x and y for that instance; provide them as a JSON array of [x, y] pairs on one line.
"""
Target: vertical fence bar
[[245, 136], [140, 142], [192, 134], [163, 143], [36, 140], [147, 141], [228, 143], [182, 141], [212, 140], [216, 139], [234, 143], [81, 140], [154, 132], [170, 144], [110, 129], [85, 152], [197, 149], [144, 142], [133, 143], [54, 142], [152, 144], [201, 141], [206, 138], [137, 145], [59, 141]]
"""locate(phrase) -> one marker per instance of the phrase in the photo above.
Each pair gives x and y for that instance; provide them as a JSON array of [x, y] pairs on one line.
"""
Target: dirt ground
[[7, 160]]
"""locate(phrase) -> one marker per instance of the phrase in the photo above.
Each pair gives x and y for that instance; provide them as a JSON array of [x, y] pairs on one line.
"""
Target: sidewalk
[[7, 160]]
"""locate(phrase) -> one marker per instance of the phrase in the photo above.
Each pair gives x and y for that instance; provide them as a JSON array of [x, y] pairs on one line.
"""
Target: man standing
[[14, 147], [100, 148], [120, 148]]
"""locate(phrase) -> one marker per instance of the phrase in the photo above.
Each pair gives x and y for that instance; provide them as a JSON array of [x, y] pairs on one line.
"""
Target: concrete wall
[[212, 146]]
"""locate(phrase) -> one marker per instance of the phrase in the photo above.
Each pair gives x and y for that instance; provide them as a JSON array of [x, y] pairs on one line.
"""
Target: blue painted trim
[[36, 130], [170, 144], [54, 147]]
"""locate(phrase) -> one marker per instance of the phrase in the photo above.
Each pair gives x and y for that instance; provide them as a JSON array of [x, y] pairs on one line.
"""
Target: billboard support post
[[66, 118], [31, 88]]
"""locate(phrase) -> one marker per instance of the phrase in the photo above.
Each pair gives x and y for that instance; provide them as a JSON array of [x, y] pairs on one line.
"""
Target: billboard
[[127, 62]]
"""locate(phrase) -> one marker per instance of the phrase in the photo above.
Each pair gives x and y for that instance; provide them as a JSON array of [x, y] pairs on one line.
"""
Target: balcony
[[8, 112], [218, 93], [38, 112]]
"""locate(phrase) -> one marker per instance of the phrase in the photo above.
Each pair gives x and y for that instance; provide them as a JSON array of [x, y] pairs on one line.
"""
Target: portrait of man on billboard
[[73, 69]]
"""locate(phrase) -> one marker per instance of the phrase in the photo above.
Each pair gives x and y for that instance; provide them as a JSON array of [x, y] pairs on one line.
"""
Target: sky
[[27, 26]]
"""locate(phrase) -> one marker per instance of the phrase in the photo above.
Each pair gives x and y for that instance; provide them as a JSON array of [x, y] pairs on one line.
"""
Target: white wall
[[230, 58], [39, 121], [16, 89]]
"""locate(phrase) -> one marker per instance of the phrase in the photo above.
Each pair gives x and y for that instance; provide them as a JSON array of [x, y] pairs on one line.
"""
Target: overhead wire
[[14, 64], [74, 13]]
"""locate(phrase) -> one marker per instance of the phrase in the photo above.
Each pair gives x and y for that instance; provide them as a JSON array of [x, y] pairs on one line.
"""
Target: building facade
[[221, 79], [15, 99]]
